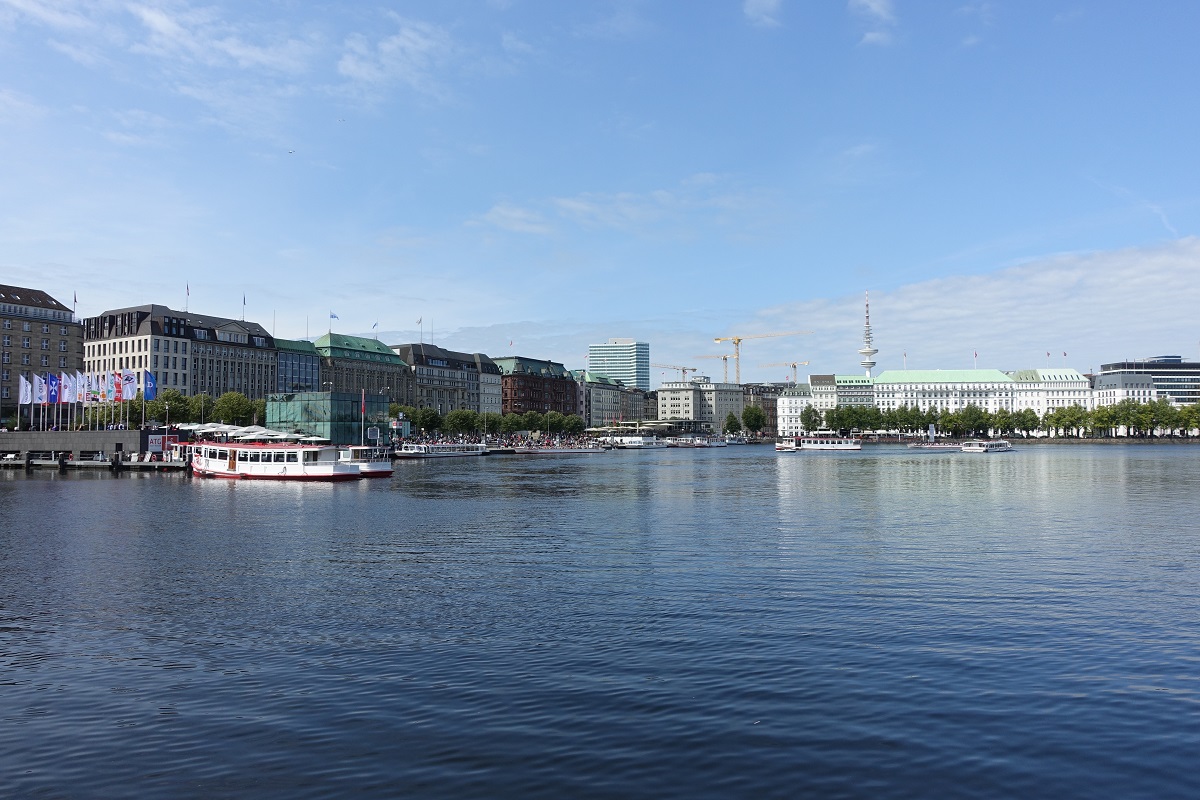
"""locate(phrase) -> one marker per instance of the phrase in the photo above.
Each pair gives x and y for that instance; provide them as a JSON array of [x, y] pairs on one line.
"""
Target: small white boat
[[935, 446], [830, 443], [638, 443], [371, 462], [414, 450], [986, 446], [788, 445], [269, 462]]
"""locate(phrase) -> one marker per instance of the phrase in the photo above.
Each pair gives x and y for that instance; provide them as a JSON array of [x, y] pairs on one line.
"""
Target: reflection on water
[[727, 622]]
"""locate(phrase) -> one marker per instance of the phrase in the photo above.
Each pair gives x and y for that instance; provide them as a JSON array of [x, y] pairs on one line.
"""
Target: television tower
[[867, 351]]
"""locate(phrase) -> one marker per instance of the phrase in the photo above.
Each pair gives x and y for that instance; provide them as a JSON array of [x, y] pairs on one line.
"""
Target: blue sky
[[1010, 178]]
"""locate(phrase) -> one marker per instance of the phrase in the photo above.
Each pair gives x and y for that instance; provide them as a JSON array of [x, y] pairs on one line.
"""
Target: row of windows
[[27, 360], [28, 327]]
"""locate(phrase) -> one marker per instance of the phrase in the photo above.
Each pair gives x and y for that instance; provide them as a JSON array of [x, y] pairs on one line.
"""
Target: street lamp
[[167, 406]]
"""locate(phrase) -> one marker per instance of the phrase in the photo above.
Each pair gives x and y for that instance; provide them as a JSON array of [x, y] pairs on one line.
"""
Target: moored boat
[[269, 461], [986, 446], [637, 442], [788, 445], [371, 462], [415, 450]]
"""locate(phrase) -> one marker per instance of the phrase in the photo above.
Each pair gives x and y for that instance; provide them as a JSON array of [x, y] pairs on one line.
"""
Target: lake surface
[[672, 623]]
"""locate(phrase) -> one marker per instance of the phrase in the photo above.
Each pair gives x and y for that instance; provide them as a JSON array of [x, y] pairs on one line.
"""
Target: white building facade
[[790, 406]]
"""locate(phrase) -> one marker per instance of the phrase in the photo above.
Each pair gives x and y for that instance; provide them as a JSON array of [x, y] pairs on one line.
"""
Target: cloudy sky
[[1007, 178]]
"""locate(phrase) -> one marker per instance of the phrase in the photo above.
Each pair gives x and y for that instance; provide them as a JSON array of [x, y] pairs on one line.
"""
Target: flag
[[151, 390], [977, 354], [375, 326], [1047, 354], [66, 388], [419, 320], [81, 388], [39, 389], [26, 392], [51, 388], [333, 315], [129, 384], [1064, 355], [363, 408], [115, 386], [188, 288]]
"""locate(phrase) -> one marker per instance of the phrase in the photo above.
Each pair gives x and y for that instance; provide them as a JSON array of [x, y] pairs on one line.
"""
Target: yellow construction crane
[[725, 363], [683, 371], [737, 345], [792, 364]]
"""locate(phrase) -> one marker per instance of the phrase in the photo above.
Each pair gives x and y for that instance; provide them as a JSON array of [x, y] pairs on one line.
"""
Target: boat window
[[279, 458], [243, 455], [222, 454], [291, 457], [254, 458]]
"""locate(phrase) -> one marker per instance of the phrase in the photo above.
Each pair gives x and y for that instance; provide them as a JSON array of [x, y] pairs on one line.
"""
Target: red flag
[[363, 408]]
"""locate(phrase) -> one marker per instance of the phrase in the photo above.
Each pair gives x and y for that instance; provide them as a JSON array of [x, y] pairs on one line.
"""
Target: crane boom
[[792, 364], [683, 371], [737, 344], [725, 363]]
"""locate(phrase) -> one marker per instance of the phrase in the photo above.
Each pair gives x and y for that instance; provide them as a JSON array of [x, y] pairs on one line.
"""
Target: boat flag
[[151, 390], [26, 397]]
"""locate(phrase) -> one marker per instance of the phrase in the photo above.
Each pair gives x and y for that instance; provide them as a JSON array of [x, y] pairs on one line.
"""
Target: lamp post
[[167, 406]]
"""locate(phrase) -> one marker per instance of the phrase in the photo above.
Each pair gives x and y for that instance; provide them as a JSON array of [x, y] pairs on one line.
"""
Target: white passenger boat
[[637, 442], [371, 462], [414, 450], [788, 445], [830, 443], [269, 461], [986, 446], [932, 444]]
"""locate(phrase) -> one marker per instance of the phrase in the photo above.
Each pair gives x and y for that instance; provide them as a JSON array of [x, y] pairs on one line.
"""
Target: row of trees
[[232, 408], [1134, 418], [465, 421]]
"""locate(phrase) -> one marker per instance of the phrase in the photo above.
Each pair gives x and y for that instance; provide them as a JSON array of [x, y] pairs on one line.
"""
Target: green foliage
[[233, 408], [169, 407], [260, 412], [573, 425], [754, 419], [490, 423], [426, 419], [200, 407], [395, 410], [732, 424], [461, 420], [511, 423], [810, 419], [555, 421], [533, 421]]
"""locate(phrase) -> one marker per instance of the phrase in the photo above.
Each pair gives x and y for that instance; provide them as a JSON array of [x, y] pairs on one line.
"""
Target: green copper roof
[[943, 376], [339, 345], [296, 346]]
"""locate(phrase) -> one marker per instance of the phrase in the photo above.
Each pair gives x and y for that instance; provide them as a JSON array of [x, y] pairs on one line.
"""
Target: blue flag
[[52, 388], [151, 386], [333, 315]]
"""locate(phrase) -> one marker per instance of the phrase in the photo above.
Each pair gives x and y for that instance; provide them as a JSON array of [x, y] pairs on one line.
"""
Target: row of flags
[[76, 387]]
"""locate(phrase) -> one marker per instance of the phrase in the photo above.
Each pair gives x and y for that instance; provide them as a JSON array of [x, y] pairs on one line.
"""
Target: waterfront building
[[1173, 378], [700, 400], [1114, 387], [831, 391], [39, 335], [340, 417], [355, 364], [790, 405], [298, 366], [944, 389], [1044, 390], [599, 398], [624, 360], [446, 380], [192, 353], [766, 397], [530, 384]]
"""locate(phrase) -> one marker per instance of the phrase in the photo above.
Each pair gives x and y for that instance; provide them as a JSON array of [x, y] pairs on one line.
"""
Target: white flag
[[129, 387], [81, 387], [26, 392], [66, 388], [39, 388]]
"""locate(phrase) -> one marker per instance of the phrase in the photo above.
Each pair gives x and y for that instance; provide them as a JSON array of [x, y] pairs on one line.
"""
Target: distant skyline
[[1007, 178]]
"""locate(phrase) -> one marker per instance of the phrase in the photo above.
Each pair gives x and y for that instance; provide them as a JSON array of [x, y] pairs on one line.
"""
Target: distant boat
[[986, 446], [270, 462], [371, 461], [933, 444], [414, 450], [830, 443]]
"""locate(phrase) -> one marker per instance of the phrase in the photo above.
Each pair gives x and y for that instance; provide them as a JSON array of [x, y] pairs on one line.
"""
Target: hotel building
[[624, 360]]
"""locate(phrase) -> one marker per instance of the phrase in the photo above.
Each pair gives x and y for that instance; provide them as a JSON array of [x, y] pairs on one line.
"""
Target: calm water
[[712, 623]]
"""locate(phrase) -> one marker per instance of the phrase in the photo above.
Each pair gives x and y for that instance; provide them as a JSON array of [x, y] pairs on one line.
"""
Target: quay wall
[[74, 442]]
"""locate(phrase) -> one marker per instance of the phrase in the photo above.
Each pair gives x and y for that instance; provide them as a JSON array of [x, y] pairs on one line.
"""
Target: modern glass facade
[[336, 416], [623, 360], [299, 366]]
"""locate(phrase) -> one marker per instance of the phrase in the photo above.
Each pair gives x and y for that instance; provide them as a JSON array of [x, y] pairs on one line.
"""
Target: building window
[[25, 342], [25, 326], [62, 361], [62, 346], [45, 328], [45, 361], [25, 359]]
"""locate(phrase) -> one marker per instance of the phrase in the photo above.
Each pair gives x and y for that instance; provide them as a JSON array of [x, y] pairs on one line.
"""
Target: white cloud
[[762, 12], [515, 219], [411, 56], [1097, 307], [879, 17]]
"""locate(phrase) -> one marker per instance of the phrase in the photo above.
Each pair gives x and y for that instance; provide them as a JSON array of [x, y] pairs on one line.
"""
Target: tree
[[1003, 421], [533, 421], [169, 407], [395, 410], [574, 425], [511, 423], [975, 420], [427, 419], [200, 407], [554, 421], [234, 408], [810, 419], [732, 425], [1027, 421], [260, 412], [754, 419], [491, 423], [461, 420]]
